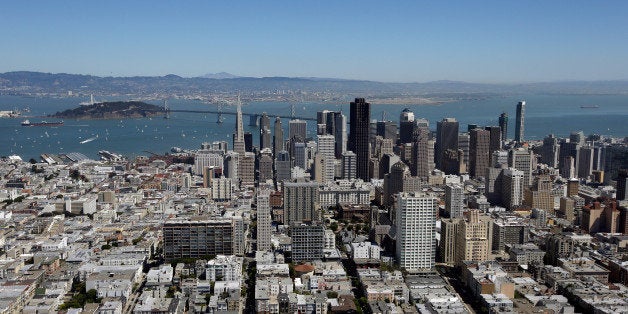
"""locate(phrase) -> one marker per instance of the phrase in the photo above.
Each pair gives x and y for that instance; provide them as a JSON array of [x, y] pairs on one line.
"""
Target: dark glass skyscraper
[[359, 129], [503, 125], [519, 128], [446, 139]]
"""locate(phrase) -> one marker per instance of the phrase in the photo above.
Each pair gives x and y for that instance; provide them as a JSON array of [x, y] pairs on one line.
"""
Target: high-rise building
[[446, 139], [496, 139], [622, 184], [208, 175], [308, 241], [521, 159], [264, 220], [340, 133], [550, 151], [454, 200], [509, 231], [283, 165], [512, 187], [422, 159], [264, 132], [416, 223], [238, 138], [301, 155], [246, 169], [503, 125], [406, 126], [387, 130], [198, 238], [326, 145], [479, 148], [519, 127], [265, 166], [230, 165], [349, 161], [540, 194], [447, 245], [464, 140], [297, 130], [585, 162], [248, 142], [204, 159], [278, 144], [300, 202], [474, 238], [360, 115]]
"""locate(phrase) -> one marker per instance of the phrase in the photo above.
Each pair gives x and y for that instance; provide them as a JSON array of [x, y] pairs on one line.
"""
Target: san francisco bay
[[558, 114]]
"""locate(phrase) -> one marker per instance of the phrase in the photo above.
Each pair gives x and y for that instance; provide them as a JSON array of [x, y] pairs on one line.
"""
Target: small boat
[[89, 139], [589, 106]]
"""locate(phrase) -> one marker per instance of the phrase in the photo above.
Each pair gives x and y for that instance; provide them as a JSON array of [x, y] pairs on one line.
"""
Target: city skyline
[[405, 42]]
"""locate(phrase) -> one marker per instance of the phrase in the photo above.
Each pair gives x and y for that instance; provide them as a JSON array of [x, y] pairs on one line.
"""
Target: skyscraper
[[519, 127], [360, 115], [300, 202], [297, 130], [496, 139], [503, 125], [421, 152], [415, 222], [406, 126], [454, 202], [264, 131], [340, 133], [263, 220], [282, 166], [238, 137], [278, 144], [446, 139], [348, 165], [479, 147]]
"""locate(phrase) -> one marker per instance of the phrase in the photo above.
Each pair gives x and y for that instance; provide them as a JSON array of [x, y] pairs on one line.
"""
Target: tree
[[334, 226]]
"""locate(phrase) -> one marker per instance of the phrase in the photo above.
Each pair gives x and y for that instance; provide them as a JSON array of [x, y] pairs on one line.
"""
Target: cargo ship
[[42, 123]]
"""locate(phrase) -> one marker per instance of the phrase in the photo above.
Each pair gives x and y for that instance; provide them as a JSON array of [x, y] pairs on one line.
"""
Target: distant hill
[[24, 82], [111, 110], [219, 76]]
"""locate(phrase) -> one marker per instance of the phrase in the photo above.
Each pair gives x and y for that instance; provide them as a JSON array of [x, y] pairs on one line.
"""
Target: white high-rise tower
[[238, 137], [416, 224]]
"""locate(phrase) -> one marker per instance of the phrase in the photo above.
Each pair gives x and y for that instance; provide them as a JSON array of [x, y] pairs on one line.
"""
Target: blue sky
[[396, 41]]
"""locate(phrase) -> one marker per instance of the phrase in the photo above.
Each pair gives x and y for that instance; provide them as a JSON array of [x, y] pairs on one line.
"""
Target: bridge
[[253, 117]]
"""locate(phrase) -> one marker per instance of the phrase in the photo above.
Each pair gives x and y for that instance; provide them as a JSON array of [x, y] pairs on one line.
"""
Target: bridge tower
[[220, 119], [292, 111]]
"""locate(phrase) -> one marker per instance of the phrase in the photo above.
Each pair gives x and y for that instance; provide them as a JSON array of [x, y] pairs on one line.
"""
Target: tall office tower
[[521, 159], [197, 238], [204, 159], [585, 162], [615, 159], [340, 133], [308, 241], [421, 161], [446, 139], [386, 163], [512, 188], [503, 125], [416, 223], [297, 130], [393, 181], [323, 169], [474, 238], [540, 194], [278, 144], [454, 162], [577, 137], [454, 200], [387, 130], [519, 127], [248, 142], [566, 210], [238, 138], [230, 168], [326, 145], [208, 175], [567, 167], [359, 129], [264, 132], [264, 220], [622, 185], [493, 185], [496, 138], [569, 149], [265, 166], [499, 158], [464, 140], [283, 165], [300, 202], [349, 164], [573, 187], [479, 148], [246, 169], [406, 126], [381, 146], [550, 150], [447, 245], [300, 155]]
